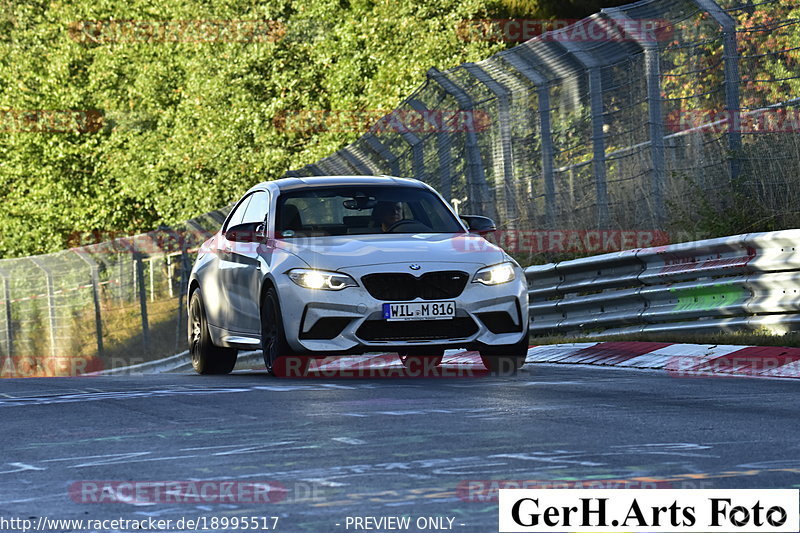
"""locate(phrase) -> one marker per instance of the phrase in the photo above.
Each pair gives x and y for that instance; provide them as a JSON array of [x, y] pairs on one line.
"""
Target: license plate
[[419, 310]]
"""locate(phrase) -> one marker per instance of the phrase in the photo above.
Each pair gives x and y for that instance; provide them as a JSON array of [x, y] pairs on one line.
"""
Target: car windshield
[[362, 210]]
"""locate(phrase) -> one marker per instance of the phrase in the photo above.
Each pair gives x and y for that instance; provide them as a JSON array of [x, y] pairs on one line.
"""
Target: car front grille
[[410, 330], [403, 287]]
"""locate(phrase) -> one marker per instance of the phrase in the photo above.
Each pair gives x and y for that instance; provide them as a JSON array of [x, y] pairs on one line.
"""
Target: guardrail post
[[652, 60], [98, 317], [507, 188], [732, 79], [137, 257], [51, 304], [519, 62], [480, 199], [9, 335]]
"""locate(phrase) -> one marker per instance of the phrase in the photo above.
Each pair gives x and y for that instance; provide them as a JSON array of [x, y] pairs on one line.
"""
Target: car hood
[[339, 252]]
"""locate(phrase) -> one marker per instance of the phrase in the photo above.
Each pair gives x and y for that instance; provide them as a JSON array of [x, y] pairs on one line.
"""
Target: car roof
[[288, 184]]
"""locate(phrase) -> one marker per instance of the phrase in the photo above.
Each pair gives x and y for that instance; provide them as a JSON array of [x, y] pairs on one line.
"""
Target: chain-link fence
[[649, 116], [106, 304], [642, 117]]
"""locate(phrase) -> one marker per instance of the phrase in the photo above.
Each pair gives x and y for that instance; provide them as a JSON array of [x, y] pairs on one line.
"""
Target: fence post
[[51, 304], [98, 317], [152, 285], [120, 278], [384, 153], [137, 257], [653, 64], [355, 162], [7, 314], [185, 268], [170, 275], [509, 192], [480, 198], [417, 154], [546, 131], [442, 149], [732, 79], [652, 59], [336, 165], [315, 170], [598, 135]]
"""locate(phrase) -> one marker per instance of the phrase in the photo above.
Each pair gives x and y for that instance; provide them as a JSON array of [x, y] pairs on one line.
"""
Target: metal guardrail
[[743, 282]]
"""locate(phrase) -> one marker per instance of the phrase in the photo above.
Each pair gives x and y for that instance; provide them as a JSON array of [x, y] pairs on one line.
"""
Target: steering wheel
[[403, 222]]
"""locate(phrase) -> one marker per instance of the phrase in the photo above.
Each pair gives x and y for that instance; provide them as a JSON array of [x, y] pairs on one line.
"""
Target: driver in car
[[386, 214]]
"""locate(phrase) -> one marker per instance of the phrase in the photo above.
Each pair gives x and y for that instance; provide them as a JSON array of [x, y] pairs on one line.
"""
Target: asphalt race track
[[338, 448]]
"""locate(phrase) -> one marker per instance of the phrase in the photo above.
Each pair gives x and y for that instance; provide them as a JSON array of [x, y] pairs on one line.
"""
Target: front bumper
[[351, 320]]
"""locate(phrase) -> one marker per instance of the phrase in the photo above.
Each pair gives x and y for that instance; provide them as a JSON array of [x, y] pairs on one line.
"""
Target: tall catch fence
[[102, 305], [649, 116], [646, 117]]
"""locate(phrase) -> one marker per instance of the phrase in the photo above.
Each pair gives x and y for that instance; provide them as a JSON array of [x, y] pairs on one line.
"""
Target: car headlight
[[321, 279], [495, 274]]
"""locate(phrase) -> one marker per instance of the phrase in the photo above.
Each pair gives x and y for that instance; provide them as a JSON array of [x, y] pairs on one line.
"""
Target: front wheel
[[207, 358], [503, 365], [279, 358], [505, 360]]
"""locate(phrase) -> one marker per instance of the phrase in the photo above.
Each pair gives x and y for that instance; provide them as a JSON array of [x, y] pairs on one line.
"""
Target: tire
[[505, 360], [279, 358], [421, 363], [206, 357]]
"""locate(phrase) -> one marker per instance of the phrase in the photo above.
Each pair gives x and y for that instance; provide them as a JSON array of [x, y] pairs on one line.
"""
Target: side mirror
[[247, 232], [478, 224]]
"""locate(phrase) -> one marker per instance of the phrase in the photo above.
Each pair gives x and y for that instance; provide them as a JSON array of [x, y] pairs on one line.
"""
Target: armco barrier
[[678, 360], [749, 281]]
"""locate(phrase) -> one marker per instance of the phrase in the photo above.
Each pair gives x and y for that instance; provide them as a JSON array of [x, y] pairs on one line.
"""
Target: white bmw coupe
[[314, 267]]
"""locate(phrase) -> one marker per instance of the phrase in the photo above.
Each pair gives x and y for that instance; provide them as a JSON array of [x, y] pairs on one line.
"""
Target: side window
[[256, 210], [236, 217]]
